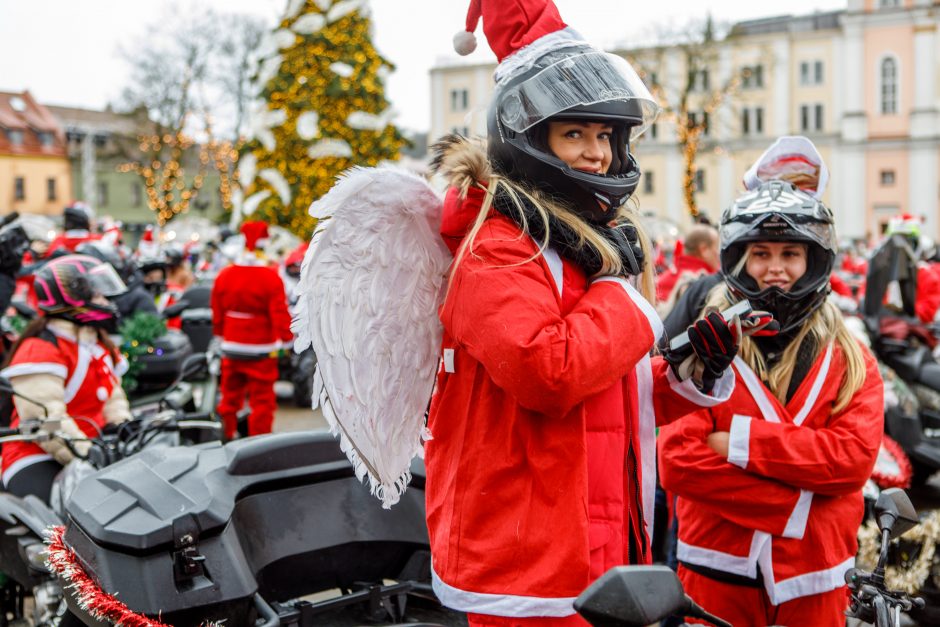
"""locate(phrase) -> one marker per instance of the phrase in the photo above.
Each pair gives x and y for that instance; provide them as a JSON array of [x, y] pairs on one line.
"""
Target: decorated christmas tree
[[323, 111]]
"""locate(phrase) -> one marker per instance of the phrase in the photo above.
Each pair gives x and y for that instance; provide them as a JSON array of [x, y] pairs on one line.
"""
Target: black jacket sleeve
[[7, 287]]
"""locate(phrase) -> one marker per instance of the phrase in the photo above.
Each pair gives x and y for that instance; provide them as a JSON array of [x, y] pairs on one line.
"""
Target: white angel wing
[[369, 291]]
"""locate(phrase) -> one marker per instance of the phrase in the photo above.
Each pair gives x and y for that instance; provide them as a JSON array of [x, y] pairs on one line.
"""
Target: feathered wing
[[369, 291]]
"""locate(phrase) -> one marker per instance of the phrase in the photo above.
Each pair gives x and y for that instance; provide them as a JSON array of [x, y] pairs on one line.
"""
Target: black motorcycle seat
[[282, 451], [929, 375]]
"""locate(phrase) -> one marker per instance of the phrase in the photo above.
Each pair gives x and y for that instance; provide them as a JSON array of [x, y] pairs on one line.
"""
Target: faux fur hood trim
[[461, 162]]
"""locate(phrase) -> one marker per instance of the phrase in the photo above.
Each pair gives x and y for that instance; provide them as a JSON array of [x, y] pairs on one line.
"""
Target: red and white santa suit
[[786, 502], [73, 375], [249, 313], [541, 470]]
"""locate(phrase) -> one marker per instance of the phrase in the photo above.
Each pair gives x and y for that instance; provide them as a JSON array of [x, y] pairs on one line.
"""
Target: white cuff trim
[[18, 370], [656, 323], [739, 441], [796, 525], [724, 386]]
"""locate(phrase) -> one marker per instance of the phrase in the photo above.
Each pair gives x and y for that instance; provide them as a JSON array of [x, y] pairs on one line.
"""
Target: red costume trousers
[[743, 606], [253, 379]]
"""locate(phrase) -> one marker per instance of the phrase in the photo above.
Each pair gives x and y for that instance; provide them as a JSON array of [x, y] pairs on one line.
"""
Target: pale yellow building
[[863, 83], [35, 175]]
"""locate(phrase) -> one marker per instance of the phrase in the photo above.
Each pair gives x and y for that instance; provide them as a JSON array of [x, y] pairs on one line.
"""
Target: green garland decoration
[[138, 334]]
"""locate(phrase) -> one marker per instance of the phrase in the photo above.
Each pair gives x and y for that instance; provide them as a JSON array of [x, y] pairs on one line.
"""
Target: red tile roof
[[20, 112]]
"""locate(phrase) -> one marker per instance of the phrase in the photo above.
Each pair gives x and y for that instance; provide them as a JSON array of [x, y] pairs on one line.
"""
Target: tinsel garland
[[892, 475], [138, 334], [912, 578], [98, 603]]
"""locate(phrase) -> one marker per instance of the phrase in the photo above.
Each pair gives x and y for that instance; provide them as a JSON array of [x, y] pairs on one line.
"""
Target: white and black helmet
[[581, 83], [779, 212]]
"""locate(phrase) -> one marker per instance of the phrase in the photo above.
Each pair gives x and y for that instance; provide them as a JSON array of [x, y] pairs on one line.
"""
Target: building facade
[[863, 83], [35, 176]]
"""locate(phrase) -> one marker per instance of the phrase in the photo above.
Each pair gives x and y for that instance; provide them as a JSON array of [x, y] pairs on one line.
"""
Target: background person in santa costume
[[249, 313], [78, 220], [770, 483], [541, 468], [65, 361]]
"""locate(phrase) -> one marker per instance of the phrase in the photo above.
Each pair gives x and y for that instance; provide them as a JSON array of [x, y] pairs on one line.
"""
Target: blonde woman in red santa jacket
[[769, 484], [249, 313], [541, 470]]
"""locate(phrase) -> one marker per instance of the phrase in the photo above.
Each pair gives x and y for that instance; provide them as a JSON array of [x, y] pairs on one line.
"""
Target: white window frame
[[880, 82]]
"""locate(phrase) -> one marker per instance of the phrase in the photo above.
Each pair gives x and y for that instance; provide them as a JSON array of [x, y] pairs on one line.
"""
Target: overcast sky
[[65, 51]]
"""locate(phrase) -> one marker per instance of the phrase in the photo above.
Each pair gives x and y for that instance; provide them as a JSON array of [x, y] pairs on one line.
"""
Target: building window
[[459, 99], [652, 80], [102, 196], [887, 178], [137, 195], [698, 80], [752, 121], [648, 182], [700, 180], [752, 77], [46, 139], [654, 131], [811, 118], [887, 4], [889, 86], [700, 118], [15, 136], [19, 188], [50, 190], [811, 73]]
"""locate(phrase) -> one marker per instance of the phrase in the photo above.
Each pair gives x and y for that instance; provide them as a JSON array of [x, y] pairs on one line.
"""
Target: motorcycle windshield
[[890, 262]]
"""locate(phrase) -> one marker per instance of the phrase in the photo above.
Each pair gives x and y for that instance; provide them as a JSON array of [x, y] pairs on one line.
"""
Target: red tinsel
[[883, 474], [103, 606]]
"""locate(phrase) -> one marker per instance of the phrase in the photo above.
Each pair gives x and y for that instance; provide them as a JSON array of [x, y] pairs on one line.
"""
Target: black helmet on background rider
[[78, 217], [573, 82], [153, 271], [66, 287], [779, 212]]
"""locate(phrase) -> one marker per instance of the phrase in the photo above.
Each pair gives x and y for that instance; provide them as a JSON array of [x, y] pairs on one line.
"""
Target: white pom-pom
[[465, 43]]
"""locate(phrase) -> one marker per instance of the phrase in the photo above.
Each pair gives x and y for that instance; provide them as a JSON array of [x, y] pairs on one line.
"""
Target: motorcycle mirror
[[631, 595], [23, 309], [895, 512]]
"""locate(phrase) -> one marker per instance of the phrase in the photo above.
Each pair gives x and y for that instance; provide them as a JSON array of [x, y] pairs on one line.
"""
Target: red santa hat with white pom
[[148, 247], [518, 31]]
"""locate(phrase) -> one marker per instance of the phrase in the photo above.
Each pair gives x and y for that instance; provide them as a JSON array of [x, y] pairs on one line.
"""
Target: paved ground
[[289, 417]]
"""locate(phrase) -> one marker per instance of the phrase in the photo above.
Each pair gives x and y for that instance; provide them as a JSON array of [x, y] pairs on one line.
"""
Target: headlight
[[36, 557]]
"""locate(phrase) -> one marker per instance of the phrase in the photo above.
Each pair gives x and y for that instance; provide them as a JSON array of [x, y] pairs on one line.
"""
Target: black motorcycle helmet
[[779, 212], [109, 254], [572, 83], [66, 286], [77, 217], [146, 265]]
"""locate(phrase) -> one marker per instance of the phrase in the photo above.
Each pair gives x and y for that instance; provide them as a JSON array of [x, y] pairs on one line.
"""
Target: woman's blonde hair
[[823, 325], [611, 264]]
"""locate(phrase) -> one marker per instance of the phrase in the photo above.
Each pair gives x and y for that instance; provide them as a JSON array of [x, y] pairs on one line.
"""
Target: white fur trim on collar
[[523, 58]]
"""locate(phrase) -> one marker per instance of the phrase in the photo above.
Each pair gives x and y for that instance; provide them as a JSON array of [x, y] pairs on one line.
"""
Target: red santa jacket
[[928, 292], [249, 309], [70, 240], [666, 281], [90, 375], [788, 497], [543, 425]]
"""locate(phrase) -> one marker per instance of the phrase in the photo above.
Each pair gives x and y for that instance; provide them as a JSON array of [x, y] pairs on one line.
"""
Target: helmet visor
[[105, 280], [778, 226], [579, 80]]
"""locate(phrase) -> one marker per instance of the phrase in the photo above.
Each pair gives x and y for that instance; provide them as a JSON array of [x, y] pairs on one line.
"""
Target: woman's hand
[[718, 442]]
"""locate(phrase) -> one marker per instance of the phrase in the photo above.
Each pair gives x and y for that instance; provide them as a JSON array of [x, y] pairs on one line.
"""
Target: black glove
[[13, 245], [715, 343], [712, 345], [625, 239]]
